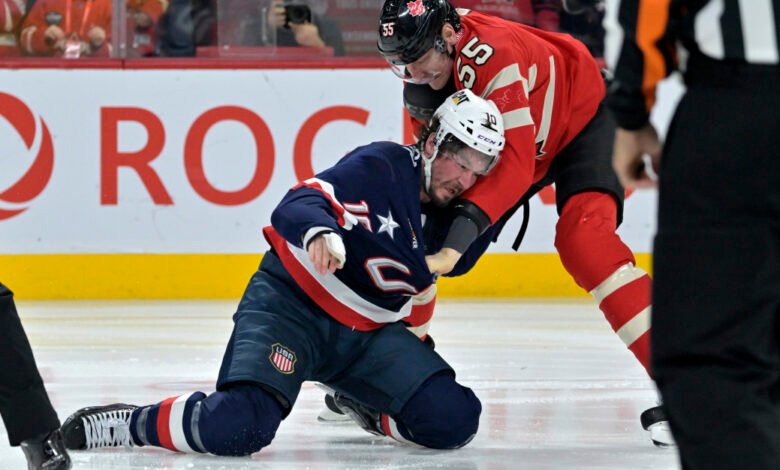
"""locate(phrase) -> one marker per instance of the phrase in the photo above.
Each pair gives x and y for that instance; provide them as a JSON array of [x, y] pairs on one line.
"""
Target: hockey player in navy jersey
[[331, 302]]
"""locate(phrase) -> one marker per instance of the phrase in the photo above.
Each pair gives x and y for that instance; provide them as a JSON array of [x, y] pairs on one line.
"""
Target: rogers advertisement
[[194, 161]]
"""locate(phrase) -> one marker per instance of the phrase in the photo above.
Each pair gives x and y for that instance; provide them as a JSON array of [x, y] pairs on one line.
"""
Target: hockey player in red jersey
[[549, 90]]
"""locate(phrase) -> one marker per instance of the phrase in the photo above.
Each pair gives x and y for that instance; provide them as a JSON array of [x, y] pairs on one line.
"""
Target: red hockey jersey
[[547, 87], [544, 14]]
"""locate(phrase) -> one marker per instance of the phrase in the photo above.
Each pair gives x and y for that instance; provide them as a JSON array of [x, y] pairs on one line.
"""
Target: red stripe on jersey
[[384, 420], [421, 314], [337, 207], [164, 424], [340, 312], [622, 305]]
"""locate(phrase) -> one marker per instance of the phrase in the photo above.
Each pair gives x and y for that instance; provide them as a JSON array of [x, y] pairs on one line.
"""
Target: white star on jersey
[[387, 224]]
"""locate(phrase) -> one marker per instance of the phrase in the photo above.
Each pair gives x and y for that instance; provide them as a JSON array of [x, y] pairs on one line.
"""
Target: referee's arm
[[644, 56]]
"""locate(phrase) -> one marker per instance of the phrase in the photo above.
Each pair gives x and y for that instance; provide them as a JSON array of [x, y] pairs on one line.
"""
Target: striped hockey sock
[[172, 424]]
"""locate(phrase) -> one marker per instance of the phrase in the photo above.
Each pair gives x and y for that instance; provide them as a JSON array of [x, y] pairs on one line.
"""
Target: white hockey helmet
[[472, 120]]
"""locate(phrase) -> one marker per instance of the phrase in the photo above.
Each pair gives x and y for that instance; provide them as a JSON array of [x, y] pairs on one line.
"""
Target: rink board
[[222, 276], [156, 183]]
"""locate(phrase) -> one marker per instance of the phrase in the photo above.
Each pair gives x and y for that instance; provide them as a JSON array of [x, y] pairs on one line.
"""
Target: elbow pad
[[462, 234], [470, 222], [471, 211]]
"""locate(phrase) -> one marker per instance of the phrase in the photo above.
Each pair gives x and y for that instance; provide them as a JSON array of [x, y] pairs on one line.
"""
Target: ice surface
[[558, 388]]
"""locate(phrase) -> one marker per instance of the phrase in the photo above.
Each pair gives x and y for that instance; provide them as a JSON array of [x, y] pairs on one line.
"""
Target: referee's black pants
[[716, 315], [24, 404]]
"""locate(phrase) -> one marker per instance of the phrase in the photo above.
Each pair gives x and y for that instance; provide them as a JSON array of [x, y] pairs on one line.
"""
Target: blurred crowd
[[181, 28]]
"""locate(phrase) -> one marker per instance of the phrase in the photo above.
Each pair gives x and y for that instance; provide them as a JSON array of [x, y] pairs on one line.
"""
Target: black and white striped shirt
[[647, 38]]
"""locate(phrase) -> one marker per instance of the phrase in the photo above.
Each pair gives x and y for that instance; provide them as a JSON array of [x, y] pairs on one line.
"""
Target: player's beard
[[450, 192]]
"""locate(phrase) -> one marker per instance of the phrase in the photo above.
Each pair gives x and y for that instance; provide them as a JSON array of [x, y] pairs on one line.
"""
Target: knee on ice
[[442, 414], [239, 421]]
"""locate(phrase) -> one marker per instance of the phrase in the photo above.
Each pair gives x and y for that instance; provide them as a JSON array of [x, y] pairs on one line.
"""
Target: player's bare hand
[[327, 255], [628, 156], [444, 261]]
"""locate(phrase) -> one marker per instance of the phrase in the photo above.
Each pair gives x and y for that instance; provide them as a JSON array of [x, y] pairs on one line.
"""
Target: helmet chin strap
[[427, 165]]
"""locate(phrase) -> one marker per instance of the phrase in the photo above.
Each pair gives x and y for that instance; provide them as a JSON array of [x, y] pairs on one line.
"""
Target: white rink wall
[[192, 161]]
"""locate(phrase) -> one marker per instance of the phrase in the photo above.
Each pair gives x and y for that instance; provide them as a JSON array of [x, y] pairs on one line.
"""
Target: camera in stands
[[296, 14]]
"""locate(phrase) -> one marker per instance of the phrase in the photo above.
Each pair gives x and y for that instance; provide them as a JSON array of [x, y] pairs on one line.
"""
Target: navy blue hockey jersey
[[372, 199]]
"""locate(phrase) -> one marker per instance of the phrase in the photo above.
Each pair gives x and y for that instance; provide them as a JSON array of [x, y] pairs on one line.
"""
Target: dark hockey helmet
[[408, 29]]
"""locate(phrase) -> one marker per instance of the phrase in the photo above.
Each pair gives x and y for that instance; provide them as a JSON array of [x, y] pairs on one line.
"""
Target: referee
[[24, 405], [716, 315]]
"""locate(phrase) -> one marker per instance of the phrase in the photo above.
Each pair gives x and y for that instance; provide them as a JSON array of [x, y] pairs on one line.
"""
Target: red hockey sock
[[603, 265]]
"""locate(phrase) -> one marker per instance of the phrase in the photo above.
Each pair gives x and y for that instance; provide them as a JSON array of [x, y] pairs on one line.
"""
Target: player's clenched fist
[[327, 253]]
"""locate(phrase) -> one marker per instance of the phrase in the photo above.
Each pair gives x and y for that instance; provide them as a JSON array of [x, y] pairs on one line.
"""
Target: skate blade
[[329, 416], [661, 435]]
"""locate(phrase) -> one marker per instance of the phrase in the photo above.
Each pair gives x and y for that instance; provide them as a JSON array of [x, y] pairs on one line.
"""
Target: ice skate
[[95, 427], [332, 413], [654, 421], [365, 417]]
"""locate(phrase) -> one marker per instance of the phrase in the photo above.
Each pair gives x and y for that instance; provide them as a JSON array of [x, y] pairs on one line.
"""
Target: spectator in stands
[[68, 28], [185, 25], [143, 16], [543, 14], [318, 31], [11, 14], [583, 20], [191, 23]]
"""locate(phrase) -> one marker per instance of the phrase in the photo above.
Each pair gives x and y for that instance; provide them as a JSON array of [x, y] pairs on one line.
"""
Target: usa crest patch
[[282, 358]]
